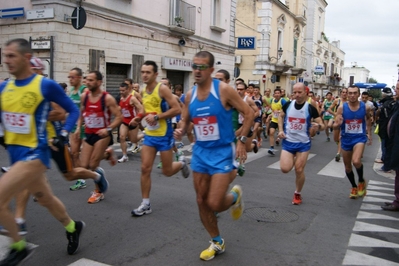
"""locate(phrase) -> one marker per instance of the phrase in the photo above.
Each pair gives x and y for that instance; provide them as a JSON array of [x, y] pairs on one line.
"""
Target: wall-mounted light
[[279, 55]]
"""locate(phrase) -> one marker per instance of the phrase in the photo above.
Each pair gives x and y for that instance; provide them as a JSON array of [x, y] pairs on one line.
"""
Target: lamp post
[[279, 54]]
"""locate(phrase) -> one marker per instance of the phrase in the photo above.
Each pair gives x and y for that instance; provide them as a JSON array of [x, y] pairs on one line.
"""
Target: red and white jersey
[[96, 115], [128, 112]]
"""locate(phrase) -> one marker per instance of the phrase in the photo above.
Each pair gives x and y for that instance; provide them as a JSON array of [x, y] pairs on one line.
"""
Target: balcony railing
[[182, 17]]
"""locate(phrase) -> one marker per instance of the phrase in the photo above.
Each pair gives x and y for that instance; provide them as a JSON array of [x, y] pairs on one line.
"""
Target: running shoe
[[362, 189], [328, 139], [178, 154], [95, 197], [264, 133], [21, 226], [241, 169], [190, 147], [111, 158], [5, 169], [214, 249], [73, 238], [237, 208], [142, 209], [354, 193], [297, 199], [159, 166], [102, 183], [278, 141], [256, 147], [15, 257], [80, 184], [184, 170], [271, 152], [337, 157], [123, 159], [179, 145]]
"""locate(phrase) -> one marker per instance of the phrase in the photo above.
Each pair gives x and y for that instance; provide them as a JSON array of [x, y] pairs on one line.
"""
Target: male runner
[[294, 123], [97, 107], [209, 107], [160, 105], [25, 101], [354, 119], [276, 106], [130, 106], [327, 116]]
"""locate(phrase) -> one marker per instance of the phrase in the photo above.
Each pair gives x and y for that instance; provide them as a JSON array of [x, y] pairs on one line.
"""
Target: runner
[[266, 110], [327, 116], [276, 106], [160, 105], [354, 118], [129, 106], [209, 106], [294, 123], [27, 99], [257, 128], [333, 110], [97, 106]]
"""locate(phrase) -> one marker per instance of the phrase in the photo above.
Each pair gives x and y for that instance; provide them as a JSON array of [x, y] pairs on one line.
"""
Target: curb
[[377, 166]]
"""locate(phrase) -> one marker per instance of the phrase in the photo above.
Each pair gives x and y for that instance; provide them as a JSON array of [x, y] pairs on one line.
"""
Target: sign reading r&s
[[246, 43]]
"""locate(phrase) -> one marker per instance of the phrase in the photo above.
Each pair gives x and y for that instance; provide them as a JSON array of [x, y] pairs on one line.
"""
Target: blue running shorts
[[217, 160], [163, 143], [294, 147], [20, 153], [347, 143]]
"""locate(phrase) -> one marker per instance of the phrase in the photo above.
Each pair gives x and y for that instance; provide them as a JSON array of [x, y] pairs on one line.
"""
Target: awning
[[370, 85]]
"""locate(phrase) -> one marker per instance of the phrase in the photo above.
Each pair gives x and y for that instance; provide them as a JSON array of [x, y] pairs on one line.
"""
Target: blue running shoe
[[102, 182]]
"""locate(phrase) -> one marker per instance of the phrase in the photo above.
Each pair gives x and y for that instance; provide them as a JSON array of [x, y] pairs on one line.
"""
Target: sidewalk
[[377, 167]]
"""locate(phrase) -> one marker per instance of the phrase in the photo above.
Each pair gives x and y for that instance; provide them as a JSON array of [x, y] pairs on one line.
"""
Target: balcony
[[182, 17]]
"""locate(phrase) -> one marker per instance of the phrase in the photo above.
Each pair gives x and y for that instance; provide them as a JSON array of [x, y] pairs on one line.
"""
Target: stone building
[[119, 35]]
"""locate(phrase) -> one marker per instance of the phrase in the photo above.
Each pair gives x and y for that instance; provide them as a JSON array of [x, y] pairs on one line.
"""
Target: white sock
[[146, 201], [19, 220], [296, 192]]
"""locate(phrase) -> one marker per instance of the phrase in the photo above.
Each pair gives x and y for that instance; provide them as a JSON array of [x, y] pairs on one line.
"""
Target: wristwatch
[[109, 129], [156, 117], [243, 139]]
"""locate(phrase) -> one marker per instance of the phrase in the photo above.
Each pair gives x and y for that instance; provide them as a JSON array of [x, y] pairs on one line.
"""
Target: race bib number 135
[[17, 122]]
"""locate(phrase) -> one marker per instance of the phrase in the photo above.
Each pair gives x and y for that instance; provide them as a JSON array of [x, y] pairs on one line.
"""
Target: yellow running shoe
[[214, 249], [238, 208], [361, 189], [353, 194]]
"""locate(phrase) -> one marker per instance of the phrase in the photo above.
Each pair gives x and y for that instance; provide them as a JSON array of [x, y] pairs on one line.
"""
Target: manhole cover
[[262, 214]]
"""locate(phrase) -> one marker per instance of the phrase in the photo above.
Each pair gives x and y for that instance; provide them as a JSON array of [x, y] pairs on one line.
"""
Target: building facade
[[277, 28], [325, 59], [119, 36], [355, 74]]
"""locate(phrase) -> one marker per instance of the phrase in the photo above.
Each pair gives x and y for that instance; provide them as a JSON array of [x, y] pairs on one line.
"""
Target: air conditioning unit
[[237, 59]]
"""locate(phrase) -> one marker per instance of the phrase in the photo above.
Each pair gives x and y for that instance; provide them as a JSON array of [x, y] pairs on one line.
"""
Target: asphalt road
[[327, 229]]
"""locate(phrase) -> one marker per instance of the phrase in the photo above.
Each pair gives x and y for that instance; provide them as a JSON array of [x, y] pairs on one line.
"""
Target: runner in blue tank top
[[209, 107], [354, 119]]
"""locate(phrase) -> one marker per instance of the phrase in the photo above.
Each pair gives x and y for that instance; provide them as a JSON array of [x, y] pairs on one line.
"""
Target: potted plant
[[179, 20]]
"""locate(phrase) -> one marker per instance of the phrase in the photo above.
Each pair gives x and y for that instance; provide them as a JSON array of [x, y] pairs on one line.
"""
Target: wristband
[[140, 115]]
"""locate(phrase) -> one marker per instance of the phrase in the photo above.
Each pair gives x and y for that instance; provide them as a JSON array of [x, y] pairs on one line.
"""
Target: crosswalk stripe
[[362, 227], [357, 258], [372, 182], [379, 188], [364, 241], [333, 168], [380, 194], [369, 215], [370, 207], [5, 245], [276, 165], [374, 199], [87, 262]]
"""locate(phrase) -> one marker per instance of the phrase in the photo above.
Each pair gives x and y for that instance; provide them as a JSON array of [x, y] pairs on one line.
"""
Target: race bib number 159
[[206, 128]]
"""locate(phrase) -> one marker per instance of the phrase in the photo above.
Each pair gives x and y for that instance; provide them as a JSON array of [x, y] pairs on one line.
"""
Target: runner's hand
[[281, 135], [178, 133], [241, 152]]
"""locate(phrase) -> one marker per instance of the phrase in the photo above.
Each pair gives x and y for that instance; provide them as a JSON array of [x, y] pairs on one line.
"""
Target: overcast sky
[[369, 34]]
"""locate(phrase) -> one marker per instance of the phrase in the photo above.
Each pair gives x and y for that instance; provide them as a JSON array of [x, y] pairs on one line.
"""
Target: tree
[[376, 93], [372, 80]]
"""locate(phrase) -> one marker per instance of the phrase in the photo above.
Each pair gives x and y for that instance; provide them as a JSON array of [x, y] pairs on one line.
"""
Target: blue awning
[[370, 85]]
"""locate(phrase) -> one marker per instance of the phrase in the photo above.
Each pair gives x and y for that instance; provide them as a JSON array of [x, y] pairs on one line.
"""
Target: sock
[[296, 192], [360, 173], [70, 227], [146, 201], [183, 163], [217, 239], [351, 178], [272, 147], [235, 196], [20, 245], [19, 220]]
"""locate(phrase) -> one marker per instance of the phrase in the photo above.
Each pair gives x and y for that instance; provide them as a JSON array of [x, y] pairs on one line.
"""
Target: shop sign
[[170, 63]]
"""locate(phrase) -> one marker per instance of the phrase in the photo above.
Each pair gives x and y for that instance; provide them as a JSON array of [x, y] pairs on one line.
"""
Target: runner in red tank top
[[130, 106]]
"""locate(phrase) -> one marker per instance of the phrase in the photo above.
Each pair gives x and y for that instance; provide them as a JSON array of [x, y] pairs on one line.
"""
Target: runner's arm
[[56, 113], [111, 104], [174, 107], [136, 103]]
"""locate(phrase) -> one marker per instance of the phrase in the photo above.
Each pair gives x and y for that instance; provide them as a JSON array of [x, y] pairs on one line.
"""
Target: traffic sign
[[12, 12], [264, 78], [78, 18]]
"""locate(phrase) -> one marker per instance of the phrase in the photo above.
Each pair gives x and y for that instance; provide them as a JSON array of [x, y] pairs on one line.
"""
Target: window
[[216, 13], [351, 80], [295, 50], [182, 17], [325, 68]]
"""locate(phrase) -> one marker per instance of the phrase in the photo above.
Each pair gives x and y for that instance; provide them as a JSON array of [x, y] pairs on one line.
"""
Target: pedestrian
[[354, 120], [26, 99], [294, 125], [209, 106], [391, 160]]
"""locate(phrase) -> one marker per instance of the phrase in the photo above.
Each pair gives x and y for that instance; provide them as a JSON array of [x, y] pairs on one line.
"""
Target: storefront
[[178, 71]]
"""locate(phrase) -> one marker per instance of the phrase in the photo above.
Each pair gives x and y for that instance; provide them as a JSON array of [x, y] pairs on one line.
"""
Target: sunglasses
[[199, 67], [241, 89]]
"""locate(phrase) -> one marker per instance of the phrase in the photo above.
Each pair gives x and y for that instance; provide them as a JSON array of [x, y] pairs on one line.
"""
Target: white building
[[355, 74], [120, 35]]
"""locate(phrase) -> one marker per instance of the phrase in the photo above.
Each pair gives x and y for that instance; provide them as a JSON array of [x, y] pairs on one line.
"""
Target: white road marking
[[379, 194], [87, 262], [334, 169], [374, 199], [366, 227], [379, 188], [357, 258], [370, 207], [276, 165], [5, 245], [372, 182], [370, 215], [364, 241]]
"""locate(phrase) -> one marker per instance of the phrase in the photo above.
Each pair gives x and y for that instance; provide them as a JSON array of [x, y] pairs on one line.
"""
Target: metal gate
[[116, 74]]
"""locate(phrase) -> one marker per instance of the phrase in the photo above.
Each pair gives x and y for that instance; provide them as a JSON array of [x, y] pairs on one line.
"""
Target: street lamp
[[279, 54]]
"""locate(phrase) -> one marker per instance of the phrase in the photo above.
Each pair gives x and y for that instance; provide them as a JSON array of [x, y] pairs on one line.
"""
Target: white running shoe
[[123, 159]]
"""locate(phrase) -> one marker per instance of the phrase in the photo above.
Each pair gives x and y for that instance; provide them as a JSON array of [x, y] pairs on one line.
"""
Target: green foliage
[[376, 93], [372, 80]]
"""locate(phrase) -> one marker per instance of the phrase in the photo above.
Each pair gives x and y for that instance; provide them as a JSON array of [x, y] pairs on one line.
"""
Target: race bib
[[240, 119], [17, 122], [206, 128], [126, 113], [276, 114], [327, 113], [94, 122], [353, 126], [296, 124]]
